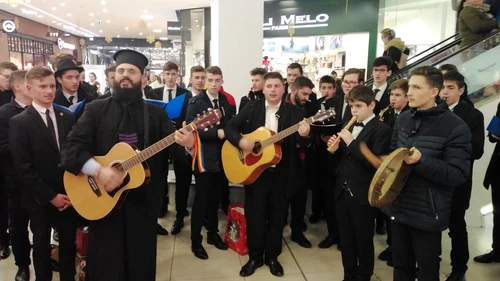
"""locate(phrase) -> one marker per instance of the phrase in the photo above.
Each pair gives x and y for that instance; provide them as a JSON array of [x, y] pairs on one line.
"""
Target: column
[[236, 45]]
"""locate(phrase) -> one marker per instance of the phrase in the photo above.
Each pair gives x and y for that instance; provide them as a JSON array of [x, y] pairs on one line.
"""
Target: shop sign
[[298, 21], [64, 45], [8, 26], [173, 28]]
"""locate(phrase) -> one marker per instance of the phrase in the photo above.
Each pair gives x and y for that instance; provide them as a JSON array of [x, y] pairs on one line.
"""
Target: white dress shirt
[[271, 119], [41, 110], [165, 93], [357, 129], [75, 100], [343, 108], [20, 103], [381, 91], [452, 107]]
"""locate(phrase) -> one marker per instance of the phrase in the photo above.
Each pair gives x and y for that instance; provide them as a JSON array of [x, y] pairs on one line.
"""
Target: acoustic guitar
[[92, 201], [244, 168]]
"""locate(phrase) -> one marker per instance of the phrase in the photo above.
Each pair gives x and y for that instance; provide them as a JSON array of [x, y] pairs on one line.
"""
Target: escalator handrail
[[457, 36], [465, 48], [429, 56]]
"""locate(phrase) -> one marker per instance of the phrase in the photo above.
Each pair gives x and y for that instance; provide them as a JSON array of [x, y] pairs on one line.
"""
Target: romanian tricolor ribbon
[[198, 154]]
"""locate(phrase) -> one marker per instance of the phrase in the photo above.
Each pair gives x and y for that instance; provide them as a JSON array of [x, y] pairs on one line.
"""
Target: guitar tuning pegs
[[210, 109], [197, 115], [204, 112], [206, 129], [218, 123]]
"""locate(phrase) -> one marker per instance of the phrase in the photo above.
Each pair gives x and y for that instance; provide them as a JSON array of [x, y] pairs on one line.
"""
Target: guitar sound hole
[[257, 149], [126, 180]]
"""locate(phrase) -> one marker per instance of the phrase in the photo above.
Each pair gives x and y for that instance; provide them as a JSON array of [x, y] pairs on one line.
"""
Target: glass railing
[[435, 47], [480, 64]]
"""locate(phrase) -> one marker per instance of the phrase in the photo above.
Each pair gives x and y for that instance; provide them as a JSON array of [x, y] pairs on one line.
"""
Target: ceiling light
[[146, 17], [91, 14], [157, 30], [103, 2], [108, 21], [104, 10], [149, 24], [40, 16], [140, 33], [163, 38], [92, 24], [62, 4], [145, 11], [100, 31], [196, 20], [54, 8], [69, 14], [59, 23], [53, 21], [203, 27], [197, 25], [118, 35], [126, 28], [28, 12]]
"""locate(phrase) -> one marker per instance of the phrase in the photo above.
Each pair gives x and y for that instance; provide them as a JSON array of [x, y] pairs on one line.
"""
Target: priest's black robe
[[122, 246]]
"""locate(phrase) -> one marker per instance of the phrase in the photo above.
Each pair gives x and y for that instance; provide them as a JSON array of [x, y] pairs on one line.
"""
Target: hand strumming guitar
[[109, 177], [246, 144]]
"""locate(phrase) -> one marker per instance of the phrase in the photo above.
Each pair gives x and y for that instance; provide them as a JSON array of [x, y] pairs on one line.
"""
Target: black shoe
[[186, 213], [5, 252], [328, 242], [381, 229], [160, 230], [300, 239], [199, 252], [23, 273], [390, 263], [303, 226], [55, 236], [314, 218], [488, 258], [250, 267], [275, 267], [54, 265], [385, 255], [214, 239], [456, 276], [177, 227]]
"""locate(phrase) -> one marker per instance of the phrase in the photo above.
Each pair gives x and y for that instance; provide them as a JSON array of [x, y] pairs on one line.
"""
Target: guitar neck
[[153, 149], [283, 134]]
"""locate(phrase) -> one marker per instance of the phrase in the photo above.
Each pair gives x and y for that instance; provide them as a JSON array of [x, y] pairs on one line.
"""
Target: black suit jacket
[[390, 118], [337, 102], [253, 116], [492, 175], [60, 99], [36, 156], [353, 168], [157, 94], [210, 141], [7, 111]]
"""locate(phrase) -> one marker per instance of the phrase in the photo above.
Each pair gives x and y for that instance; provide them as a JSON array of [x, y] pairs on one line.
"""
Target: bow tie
[[359, 124]]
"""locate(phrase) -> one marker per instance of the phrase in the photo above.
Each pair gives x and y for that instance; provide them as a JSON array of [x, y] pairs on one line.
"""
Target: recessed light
[[54, 8], [146, 17], [69, 14], [103, 2], [118, 35], [149, 24], [92, 24], [59, 23], [62, 4], [40, 16], [126, 28], [157, 30], [53, 21], [140, 33], [105, 10], [145, 11], [196, 20], [108, 21], [91, 14], [197, 25], [28, 12], [100, 31], [163, 38], [203, 27]]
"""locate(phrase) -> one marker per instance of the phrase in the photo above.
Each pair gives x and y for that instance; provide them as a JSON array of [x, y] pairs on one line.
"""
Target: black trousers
[[329, 210], [18, 229], [495, 199], [225, 193], [4, 214], [265, 207], [183, 178], [122, 245], [206, 204], [65, 222], [298, 204], [410, 245], [356, 223]]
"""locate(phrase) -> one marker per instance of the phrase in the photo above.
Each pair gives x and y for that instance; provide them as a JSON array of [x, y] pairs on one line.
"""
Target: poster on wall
[[98, 70]]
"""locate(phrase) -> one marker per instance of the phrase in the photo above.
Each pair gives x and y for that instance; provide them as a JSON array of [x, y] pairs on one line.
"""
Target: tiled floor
[[176, 262]]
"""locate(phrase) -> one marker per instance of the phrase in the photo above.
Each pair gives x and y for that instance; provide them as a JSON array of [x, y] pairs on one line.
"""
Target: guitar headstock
[[202, 122], [322, 115]]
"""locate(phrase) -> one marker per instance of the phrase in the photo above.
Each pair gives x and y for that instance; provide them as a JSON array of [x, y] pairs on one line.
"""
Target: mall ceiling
[[98, 18]]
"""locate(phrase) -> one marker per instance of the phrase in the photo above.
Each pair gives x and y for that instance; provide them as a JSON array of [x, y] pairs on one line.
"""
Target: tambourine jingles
[[391, 175]]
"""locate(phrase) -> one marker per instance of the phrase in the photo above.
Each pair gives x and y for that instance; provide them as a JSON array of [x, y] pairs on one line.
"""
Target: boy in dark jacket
[[441, 151]]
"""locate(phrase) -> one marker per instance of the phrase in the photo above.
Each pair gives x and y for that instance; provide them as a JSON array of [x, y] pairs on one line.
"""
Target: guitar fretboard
[[283, 134], [153, 149]]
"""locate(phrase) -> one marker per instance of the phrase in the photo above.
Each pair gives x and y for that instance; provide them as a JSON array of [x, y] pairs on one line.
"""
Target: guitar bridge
[[94, 186]]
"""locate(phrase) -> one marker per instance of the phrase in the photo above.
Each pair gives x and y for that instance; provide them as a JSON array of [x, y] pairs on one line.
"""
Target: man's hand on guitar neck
[[109, 177], [304, 128], [184, 138]]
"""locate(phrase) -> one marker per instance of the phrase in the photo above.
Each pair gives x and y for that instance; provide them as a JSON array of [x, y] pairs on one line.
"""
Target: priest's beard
[[127, 95]]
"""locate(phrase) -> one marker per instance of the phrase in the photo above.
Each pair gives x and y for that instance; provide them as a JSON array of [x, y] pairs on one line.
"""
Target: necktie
[[216, 104], [376, 91], [50, 125], [169, 94], [360, 124], [346, 115], [70, 100]]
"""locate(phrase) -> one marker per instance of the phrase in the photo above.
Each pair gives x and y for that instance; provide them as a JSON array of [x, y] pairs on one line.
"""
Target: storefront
[[27, 43]]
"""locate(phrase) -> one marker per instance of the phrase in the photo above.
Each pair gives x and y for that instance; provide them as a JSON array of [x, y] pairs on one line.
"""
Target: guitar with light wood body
[[92, 201], [243, 167]]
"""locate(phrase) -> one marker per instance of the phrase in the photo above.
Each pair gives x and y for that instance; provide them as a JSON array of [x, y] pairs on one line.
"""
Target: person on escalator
[[394, 48], [475, 22]]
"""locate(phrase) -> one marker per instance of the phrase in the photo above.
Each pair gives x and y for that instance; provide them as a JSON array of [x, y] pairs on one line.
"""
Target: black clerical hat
[[132, 57], [67, 64]]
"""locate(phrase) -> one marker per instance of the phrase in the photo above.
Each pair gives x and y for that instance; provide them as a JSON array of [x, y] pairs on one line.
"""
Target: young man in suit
[[109, 72], [441, 151], [267, 199], [381, 71], [399, 102], [35, 138], [123, 244], [453, 88], [70, 91], [352, 77], [354, 173], [183, 171], [208, 169], [256, 92], [18, 216]]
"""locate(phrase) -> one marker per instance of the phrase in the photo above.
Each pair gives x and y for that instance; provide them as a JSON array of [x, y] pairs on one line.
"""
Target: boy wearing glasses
[[381, 71], [352, 77], [6, 68]]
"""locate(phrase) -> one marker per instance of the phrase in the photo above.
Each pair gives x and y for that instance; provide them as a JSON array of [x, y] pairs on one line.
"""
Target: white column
[[236, 45]]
